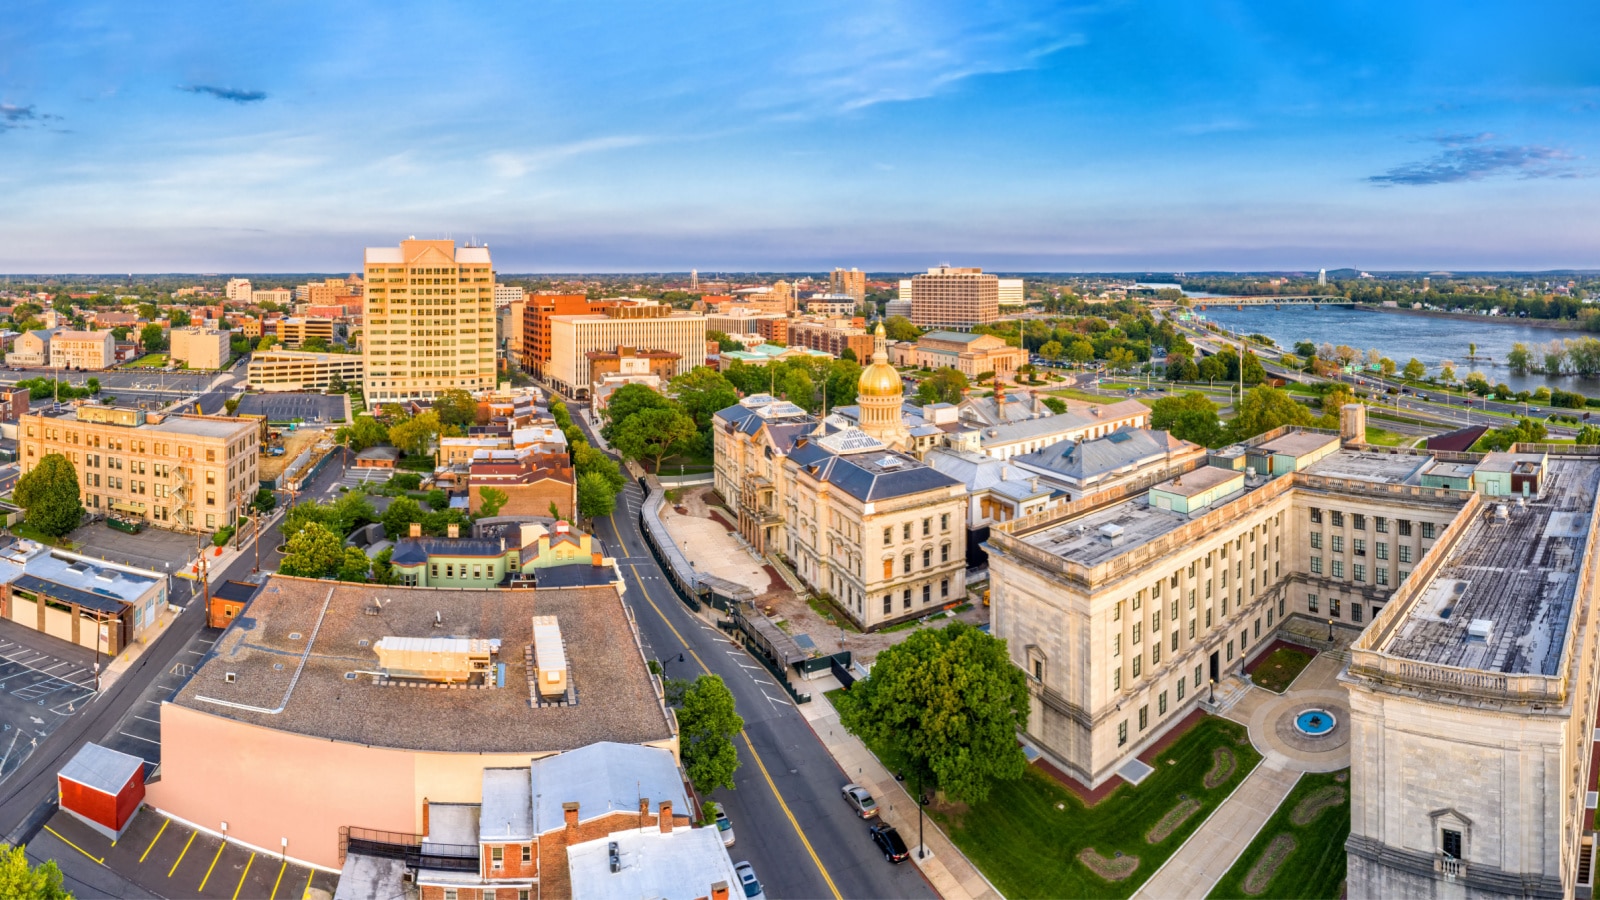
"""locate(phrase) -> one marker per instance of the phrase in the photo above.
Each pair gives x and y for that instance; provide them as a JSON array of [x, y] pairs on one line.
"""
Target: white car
[[726, 827], [748, 880]]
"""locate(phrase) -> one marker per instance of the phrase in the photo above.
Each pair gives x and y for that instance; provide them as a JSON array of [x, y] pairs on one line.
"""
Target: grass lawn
[[1280, 668], [24, 530], [1315, 868], [691, 464], [1095, 398], [150, 361], [1386, 438], [1027, 835]]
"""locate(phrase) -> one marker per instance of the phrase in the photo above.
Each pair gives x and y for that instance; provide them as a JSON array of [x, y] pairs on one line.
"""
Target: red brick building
[[531, 481], [536, 313], [13, 404]]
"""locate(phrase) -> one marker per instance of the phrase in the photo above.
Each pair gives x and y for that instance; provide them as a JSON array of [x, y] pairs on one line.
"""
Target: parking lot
[[138, 732], [39, 689], [153, 548], [312, 409], [170, 859]]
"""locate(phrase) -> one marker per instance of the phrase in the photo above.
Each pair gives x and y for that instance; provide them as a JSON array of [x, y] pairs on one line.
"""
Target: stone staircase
[[1229, 692]]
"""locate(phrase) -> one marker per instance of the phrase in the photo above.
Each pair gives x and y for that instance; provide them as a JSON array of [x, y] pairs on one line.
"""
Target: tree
[[1055, 404], [1181, 367], [1191, 416], [398, 517], [1052, 350], [1387, 367], [230, 405], [93, 384], [179, 318], [1266, 408], [1472, 351], [1414, 369], [1080, 351], [18, 879], [899, 328], [49, 495], [265, 500], [456, 407], [1337, 396], [1589, 434], [1305, 349], [267, 342], [949, 703], [1519, 358], [586, 460], [1526, 431], [416, 433], [596, 498], [490, 500], [152, 338], [707, 723], [438, 499], [364, 432], [943, 386], [313, 552], [627, 400], [354, 566], [702, 392], [849, 354], [1212, 368], [724, 343], [318, 344], [336, 384], [652, 433]]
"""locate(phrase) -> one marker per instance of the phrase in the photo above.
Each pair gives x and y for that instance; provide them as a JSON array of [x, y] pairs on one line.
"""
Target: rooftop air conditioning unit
[[1480, 630]]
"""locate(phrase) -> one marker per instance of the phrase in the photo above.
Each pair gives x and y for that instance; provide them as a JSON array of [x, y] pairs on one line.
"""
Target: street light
[[1330, 631]]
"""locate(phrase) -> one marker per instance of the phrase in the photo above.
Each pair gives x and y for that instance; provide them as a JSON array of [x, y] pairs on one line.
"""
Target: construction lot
[[294, 443], [312, 409], [170, 859]]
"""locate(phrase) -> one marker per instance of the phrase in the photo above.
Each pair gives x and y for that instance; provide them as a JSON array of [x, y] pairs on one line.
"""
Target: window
[[1137, 665], [1450, 843], [1358, 546], [1382, 574], [1208, 618], [1174, 609], [1316, 565], [927, 594], [1355, 612], [1316, 540], [1161, 704], [1197, 676], [1258, 625], [905, 531], [888, 536], [907, 560], [1136, 627], [1311, 603], [1358, 572], [1144, 717], [1116, 645], [527, 853], [944, 553], [1116, 612], [905, 599], [1116, 679], [1401, 578], [1155, 653], [1122, 734], [1280, 606], [1338, 568], [1358, 522], [211, 521], [1155, 591], [1380, 524], [1333, 607], [1316, 515], [888, 603], [927, 558], [1155, 620], [944, 522], [1427, 531], [1405, 527], [1038, 670], [888, 567], [1338, 543], [1381, 549], [1405, 553], [1230, 651], [1174, 642], [944, 588], [1191, 598], [1336, 518], [1138, 600], [497, 857], [1180, 690], [1191, 630]]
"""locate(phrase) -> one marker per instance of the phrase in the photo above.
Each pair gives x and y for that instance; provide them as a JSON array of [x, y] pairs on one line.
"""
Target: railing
[[1449, 867], [410, 849]]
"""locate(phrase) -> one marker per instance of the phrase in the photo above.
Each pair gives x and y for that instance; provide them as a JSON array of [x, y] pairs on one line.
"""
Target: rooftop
[[298, 661], [205, 426], [1199, 481], [1519, 575], [101, 768], [1519, 463], [1297, 443], [1451, 469], [92, 577], [681, 865], [1372, 466]]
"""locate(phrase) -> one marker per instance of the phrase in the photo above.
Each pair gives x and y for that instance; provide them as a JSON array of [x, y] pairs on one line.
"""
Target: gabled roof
[[870, 476], [603, 778], [1083, 460]]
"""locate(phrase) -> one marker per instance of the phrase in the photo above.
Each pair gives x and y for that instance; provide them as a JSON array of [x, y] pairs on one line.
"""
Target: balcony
[[1450, 867]]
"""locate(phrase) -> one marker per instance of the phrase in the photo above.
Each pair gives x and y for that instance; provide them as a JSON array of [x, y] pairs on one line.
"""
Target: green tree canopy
[[364, 432], [724, 343], [1526, 431], [1052, 350], [19, 880], [943, 386], [49, 495], [596, 497], [152, 338], [707, 724], [587, 460], [627, 400], [899, 328], [490, 500], [702, 391], [416, 433], [313, 552], [950, 703], [1191, 416], [354, 565], [1589, 434], [398, 517], [652, 433], [456, 407], [1266, 408], [1414, 369]]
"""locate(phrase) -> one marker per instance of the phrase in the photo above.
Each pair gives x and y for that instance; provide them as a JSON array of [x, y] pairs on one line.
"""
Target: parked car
[[748, 880], [726, 827], [860, 801], [888, 840]]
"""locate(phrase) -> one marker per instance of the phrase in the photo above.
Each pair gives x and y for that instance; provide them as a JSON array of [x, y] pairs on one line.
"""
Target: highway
[[788, 816]]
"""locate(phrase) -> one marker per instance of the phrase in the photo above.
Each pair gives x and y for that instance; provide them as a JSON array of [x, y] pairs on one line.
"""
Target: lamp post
[[1330, 630], [922, 800], [1213, 698]]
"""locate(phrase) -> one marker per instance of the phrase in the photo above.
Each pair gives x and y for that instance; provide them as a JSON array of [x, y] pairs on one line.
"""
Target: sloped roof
[[1087, 459]]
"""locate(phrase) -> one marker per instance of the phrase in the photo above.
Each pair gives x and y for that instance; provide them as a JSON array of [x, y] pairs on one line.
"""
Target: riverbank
[[1548, 324]]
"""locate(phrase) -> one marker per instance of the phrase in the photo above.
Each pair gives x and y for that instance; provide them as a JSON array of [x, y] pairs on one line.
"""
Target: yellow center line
[[753, 754], [74, 846], [213, 866], [181, 854], [281, 866], [164, 824], [243, 875]]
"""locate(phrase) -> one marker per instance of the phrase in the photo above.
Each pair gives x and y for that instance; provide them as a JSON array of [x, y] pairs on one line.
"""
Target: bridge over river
[[1279, 302]]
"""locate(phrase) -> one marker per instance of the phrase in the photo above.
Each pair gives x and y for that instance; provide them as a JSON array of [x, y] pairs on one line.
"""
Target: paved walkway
[[1211, 851], [946, 869]]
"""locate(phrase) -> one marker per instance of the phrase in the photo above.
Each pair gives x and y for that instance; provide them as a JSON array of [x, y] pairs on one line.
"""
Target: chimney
[[416, 530], [719, 891], [562, 527], [664, 816], [644, 808], [569, 811], [453, 530], [424, 816], [595, 558]]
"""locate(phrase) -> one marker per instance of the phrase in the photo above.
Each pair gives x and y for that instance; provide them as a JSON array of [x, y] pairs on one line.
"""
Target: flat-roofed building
[[276, 296], [190, 473], [850, 282], [293, 370], [831, 305], [533, 480], [954, 298], [429, 320], [832, 336], [646, 325], [80, 599], [1010, 292], [32, 348], [89, 351], [238, 290], [337, 736], [971, 354], [537, 311], [294, 331], [200, 348]]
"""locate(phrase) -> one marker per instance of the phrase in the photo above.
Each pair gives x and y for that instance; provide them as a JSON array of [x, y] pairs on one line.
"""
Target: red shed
[[102, 787]]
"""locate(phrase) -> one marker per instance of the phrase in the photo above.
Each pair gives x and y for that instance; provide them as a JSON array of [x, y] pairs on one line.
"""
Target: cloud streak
[[1471, 157], [14, 116], [232, 95]]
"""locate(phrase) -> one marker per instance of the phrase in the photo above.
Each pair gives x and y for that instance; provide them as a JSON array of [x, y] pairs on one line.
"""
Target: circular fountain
[[1315, 722]]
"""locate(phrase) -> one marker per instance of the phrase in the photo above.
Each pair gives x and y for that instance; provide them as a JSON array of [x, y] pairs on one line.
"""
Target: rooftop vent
[[616, 858], [889, 462], [1112, 534], [1480, 630], [230, 677]]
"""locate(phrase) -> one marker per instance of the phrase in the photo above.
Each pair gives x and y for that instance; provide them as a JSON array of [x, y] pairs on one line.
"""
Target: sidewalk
[[945, 868]]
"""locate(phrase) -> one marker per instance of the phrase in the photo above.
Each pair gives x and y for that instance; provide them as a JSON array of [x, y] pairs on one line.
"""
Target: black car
[[888, 840]]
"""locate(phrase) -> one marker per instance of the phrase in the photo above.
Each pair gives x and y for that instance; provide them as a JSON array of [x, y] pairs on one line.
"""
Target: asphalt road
[[788, 816]]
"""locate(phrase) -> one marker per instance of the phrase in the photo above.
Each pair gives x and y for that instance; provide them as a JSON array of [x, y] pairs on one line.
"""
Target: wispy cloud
[[1474, 157], [516, 165], [14, 116], [233, 95]]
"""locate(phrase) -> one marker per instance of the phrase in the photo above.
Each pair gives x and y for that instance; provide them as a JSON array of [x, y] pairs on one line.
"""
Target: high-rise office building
[[958, 298], [429, 320], [851, 281], [238, 290], [1012, 292]]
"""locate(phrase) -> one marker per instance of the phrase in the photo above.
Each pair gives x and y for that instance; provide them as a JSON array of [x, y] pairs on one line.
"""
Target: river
[[1401, 337]]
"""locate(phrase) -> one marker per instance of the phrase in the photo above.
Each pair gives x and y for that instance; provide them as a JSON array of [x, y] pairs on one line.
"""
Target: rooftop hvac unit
[[616, 858], [1112, 534], [448, 660], [549, 657], [1480, 630]]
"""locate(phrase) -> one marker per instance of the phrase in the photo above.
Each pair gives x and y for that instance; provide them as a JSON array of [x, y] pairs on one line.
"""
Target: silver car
[[860, 801]]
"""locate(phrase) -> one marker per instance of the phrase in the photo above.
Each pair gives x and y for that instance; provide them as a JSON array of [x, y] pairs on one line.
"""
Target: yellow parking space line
[[307, 891], [74, 846], [153, 840], [185, 850], [212, 867], [243, 875], [281, 866]]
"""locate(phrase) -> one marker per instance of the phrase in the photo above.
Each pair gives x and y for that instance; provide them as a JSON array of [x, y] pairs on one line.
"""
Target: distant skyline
[[888, 136]]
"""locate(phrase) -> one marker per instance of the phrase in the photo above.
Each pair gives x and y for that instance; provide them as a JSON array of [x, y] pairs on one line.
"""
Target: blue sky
[[594, 136]]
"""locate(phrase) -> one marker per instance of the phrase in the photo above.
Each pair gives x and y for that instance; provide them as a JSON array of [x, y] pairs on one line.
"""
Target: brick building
[[536, 312], [831, 336], [532, 481]]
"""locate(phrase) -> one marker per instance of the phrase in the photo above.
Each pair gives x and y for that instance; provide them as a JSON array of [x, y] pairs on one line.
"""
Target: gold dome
[[879, 380]]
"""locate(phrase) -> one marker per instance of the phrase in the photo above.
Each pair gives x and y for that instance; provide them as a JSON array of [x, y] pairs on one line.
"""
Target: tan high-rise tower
[[429, 320], [880, 394], [848, 281]]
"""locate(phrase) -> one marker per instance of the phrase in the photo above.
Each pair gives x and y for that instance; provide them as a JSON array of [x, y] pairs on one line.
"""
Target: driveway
[[153, 548]]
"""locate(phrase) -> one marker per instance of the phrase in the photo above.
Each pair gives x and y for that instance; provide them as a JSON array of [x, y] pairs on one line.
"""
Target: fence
[[409, 849]]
